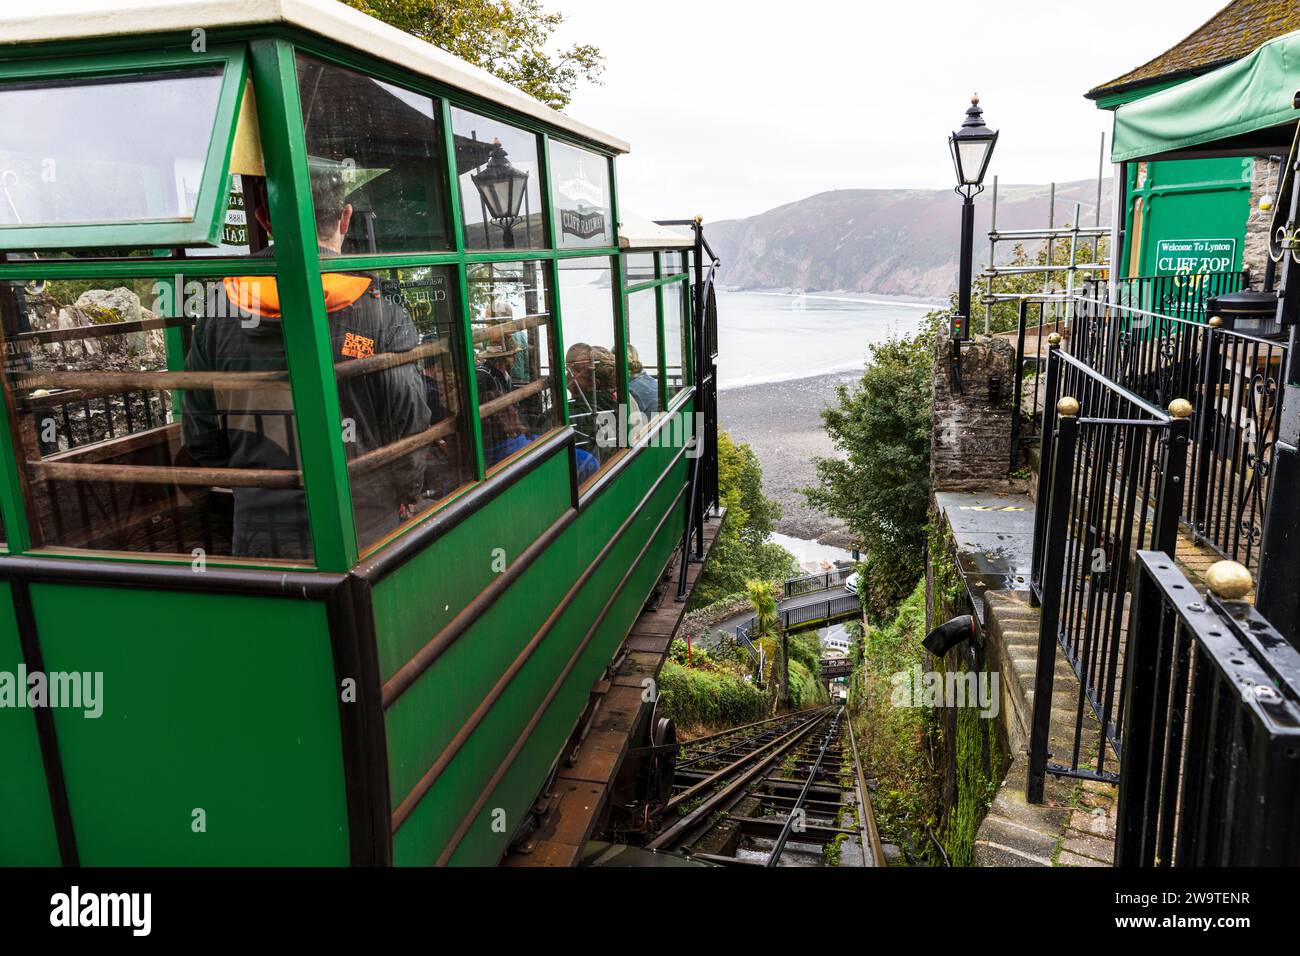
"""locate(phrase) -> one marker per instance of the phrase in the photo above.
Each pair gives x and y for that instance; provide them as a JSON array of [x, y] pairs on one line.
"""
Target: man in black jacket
[[254, 427]]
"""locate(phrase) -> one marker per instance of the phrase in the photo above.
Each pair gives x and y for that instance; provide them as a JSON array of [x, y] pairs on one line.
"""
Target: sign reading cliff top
[[1195, 256]]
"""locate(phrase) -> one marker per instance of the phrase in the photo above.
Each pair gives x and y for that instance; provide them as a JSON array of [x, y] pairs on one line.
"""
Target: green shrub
[[694, 697]]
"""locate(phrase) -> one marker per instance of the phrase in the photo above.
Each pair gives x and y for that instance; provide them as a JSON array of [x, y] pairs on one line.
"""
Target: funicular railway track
[[787, 791]]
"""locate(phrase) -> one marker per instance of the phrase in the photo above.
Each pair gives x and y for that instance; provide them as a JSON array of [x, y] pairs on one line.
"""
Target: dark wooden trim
[[305, 585], [388, 559], [615, 592], [430, 776], [29, 640], [361, 723]]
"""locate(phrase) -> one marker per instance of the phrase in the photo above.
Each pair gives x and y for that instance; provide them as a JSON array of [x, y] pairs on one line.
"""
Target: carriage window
[[500, 194], [643, 371], [397, 354], [672, 262], [676, 353], [580, 192], [84, 151], [638, 267], [591, 370], [155, 416], [510, 314], [385, 147]]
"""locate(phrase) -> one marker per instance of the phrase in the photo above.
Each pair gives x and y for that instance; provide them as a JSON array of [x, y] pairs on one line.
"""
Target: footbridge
[[810, 601]]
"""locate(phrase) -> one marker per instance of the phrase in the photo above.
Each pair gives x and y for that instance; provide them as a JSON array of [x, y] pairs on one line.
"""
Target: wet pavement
[[994, 536]]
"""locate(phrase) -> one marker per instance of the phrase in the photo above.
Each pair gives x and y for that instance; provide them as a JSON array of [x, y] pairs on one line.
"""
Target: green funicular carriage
[[309, 327]]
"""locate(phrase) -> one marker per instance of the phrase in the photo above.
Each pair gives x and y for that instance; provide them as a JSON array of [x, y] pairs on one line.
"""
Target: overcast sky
[[735, 106]]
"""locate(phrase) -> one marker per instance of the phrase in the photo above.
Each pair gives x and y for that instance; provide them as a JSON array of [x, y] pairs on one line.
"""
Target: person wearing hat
[[254, 428]]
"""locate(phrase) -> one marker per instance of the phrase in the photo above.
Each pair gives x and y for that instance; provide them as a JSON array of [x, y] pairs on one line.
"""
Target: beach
[[781, 421]]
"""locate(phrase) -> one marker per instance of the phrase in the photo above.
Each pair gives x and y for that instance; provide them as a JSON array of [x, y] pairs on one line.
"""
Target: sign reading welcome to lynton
[[1195, 256]]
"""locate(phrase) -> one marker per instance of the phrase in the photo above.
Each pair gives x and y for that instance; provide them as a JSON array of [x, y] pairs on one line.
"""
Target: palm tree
[[767, 630]]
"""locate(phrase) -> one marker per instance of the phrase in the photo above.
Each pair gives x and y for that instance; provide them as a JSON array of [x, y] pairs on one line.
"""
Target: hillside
[[890, 241]]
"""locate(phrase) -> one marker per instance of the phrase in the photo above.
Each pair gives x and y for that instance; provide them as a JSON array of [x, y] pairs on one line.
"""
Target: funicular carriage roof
[[64, 20]]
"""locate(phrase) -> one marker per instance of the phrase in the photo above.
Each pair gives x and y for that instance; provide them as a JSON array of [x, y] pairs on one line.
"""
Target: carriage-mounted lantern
[[972, 147]]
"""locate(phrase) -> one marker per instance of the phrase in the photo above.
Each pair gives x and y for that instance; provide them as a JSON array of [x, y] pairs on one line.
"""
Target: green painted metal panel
[[1191, 199], [214, 702], [26, 823], [423, 721], [1249, 94]]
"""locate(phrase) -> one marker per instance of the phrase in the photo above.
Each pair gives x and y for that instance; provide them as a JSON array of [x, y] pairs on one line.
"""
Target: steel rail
[[774, 856], [867, 818], [676, 833]]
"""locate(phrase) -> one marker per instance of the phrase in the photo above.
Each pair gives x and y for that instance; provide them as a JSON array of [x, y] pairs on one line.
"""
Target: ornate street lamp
[[972, 148], [502, 186]]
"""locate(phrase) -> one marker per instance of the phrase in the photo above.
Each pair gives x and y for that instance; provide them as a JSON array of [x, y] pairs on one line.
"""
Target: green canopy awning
[[1244, 107]]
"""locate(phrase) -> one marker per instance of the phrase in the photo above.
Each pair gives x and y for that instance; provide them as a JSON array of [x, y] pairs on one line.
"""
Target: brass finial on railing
[[1054, 339], [1229, 580], [1180, 408], [1216, 321], [1068, 407], [699, 220]]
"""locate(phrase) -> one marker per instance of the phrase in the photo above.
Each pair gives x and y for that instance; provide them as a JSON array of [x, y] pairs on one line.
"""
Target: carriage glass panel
[[591, 367], [155, 416], [676, 351], [510, 322], [643, 372], [397, 348], [500, 183], [375, 162], [580, 191], [638, 267]]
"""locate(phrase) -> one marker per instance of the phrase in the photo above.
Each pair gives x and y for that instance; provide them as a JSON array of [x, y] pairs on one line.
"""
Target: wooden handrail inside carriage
[[104, 382], [60, 468]]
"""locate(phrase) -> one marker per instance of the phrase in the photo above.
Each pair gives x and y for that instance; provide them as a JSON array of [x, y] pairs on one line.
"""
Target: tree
[[511, 39], [880, 487], [770, 635], [741, 550]]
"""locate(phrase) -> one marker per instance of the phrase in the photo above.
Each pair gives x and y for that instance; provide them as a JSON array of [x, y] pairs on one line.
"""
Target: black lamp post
[[972, 148], [502, 187]]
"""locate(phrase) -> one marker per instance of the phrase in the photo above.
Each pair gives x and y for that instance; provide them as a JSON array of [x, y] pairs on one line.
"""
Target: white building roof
[[84, 19]]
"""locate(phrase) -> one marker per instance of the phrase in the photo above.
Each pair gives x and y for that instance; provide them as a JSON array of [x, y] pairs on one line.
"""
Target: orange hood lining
[[259, 295]]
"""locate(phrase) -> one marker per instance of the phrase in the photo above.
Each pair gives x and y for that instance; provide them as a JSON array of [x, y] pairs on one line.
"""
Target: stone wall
[[1254, 256], [970, 446]]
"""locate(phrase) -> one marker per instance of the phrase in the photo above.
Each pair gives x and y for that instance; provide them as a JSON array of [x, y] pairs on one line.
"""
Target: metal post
[[993, 229], [1206, 412], [1136, 809], [1018, 388], [1046, 443], [964, 274], [1062, 472]]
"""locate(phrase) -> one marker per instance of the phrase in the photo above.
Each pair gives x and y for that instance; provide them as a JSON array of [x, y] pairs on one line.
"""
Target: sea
[[776, 337]]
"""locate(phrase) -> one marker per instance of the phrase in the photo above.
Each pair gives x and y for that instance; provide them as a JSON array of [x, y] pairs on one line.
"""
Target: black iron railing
[[810, 583], [1211, 757], [1183, 296], [1038, 320], [703, 491], [1110, 483], [72, 418], [1231, 380], [808, 614]]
